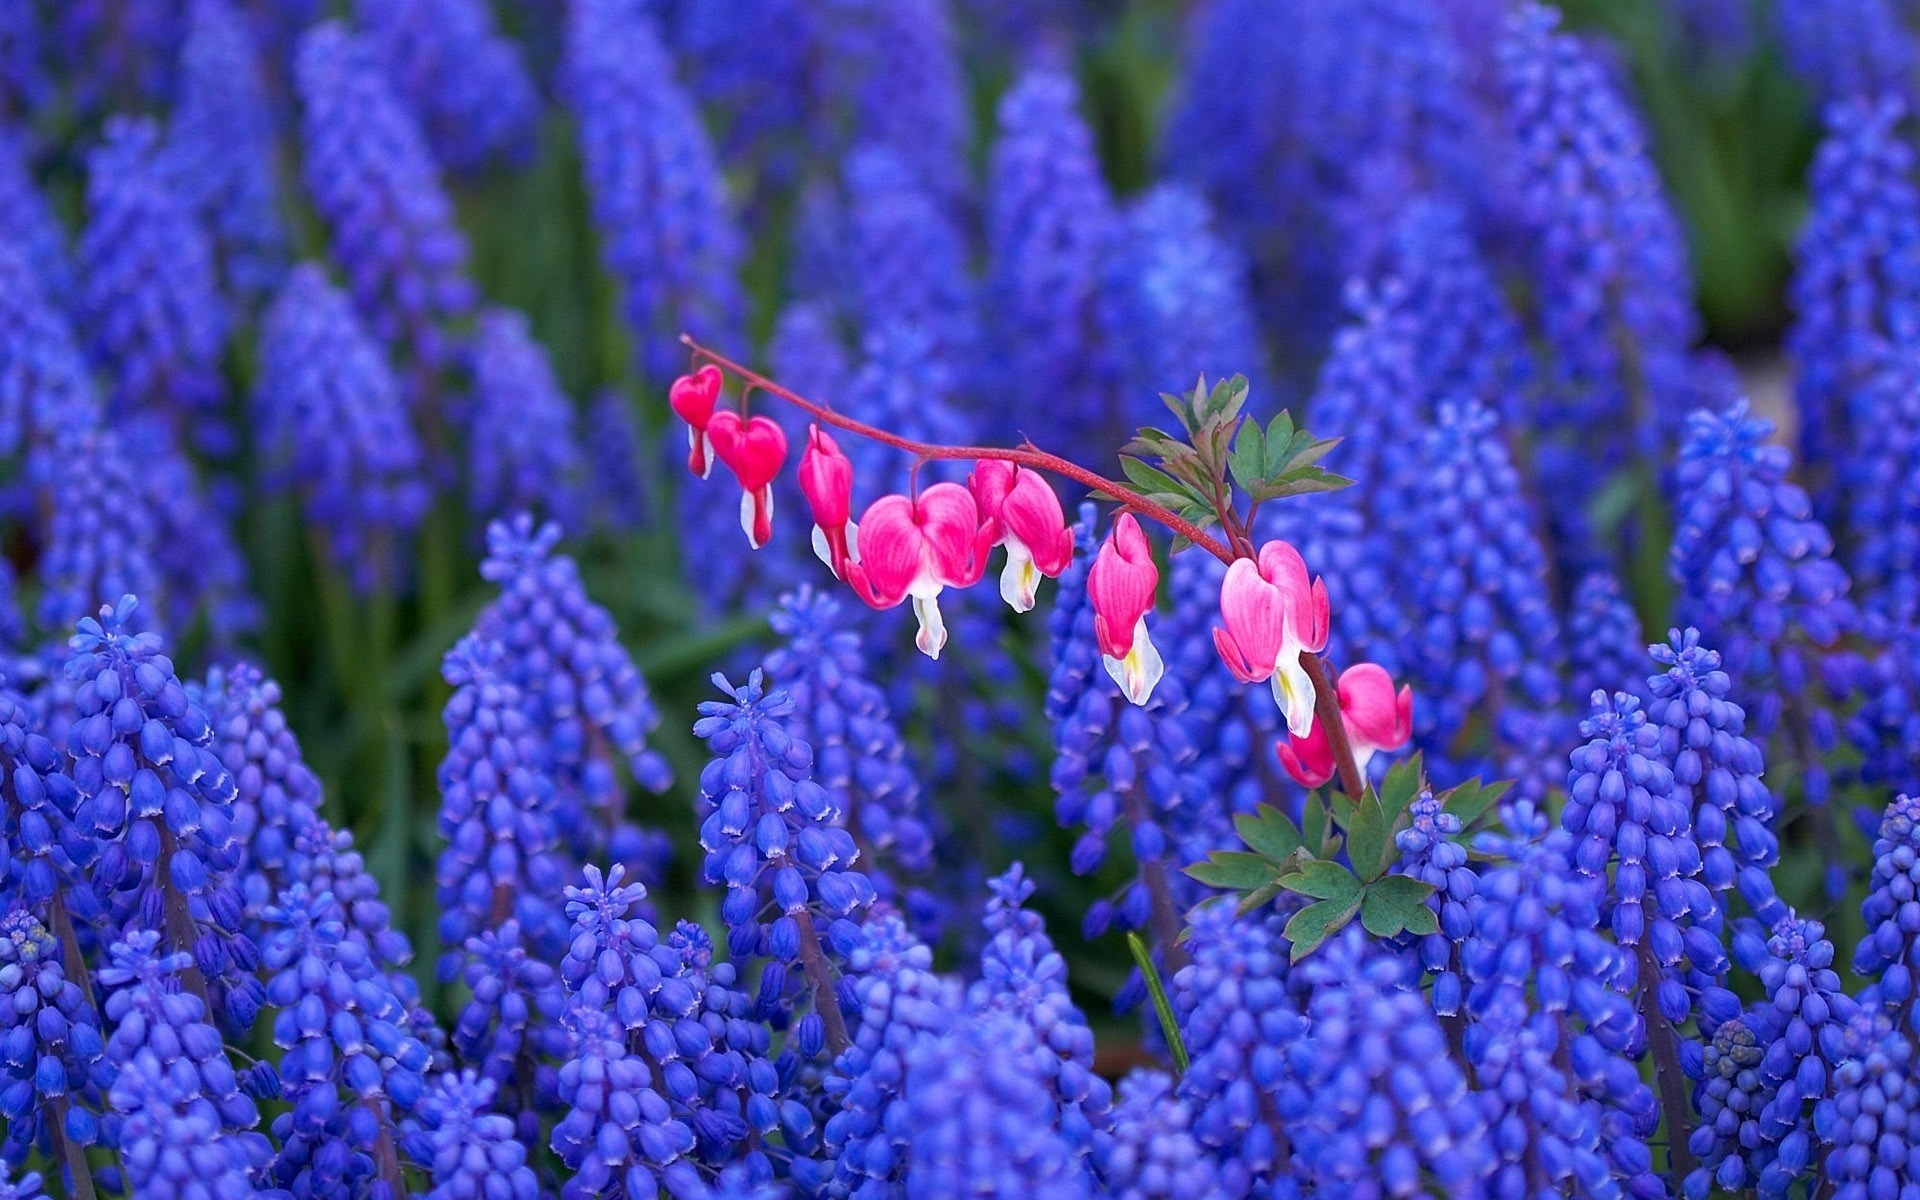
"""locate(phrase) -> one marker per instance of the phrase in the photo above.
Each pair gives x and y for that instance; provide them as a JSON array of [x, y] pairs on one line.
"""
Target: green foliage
[[1306, 859], [1190, 473], [1162, 1007]]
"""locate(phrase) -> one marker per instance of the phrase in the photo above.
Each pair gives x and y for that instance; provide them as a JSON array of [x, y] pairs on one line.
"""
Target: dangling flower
[[826, 479], [754, 451], [916, 546], [1121, 586], [1030, 524], [1377, 718], [693, 397], [1274, 613]]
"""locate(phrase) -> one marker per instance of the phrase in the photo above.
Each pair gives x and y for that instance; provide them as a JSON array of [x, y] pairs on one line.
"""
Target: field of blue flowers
[[739, 599]]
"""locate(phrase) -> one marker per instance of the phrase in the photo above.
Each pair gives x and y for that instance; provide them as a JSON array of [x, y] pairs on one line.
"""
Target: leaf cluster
[[1340, 856], [1220, 447]]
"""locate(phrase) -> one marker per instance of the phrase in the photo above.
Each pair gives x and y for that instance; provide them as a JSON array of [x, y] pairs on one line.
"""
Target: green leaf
[[1305, 482], [1472, 799], [1367, 837], [1259, 897], [1313, 924], [1400, 787], [1422, 922], [1147, 477], [1313, 822], [1268, 831], [1248, 463], [1391, 904], [1169, 1028], [1224, 402], [1149, 442], [1235, 870], [1323, 881]]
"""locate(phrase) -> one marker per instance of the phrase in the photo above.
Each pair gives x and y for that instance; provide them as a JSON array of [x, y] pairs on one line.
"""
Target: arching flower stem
[[1326, 700]]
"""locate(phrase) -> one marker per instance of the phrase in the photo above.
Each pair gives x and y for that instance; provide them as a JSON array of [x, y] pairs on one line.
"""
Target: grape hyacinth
[[467, 85], [622, 494], [890, 75], [30, 228], [1024, 977], [773, 838], [859, 755], [496, 810], [160, 804], [375, 184], [1846, 48], [1872, 1121], [335, 425], [1384, 1103], [1851, 291], [618, 1135], [654, 182], [1051, 224], [1152, 1153], [467, 1148], [185, 1119], [1756, 575], [1605, 648], [1238, 1018], [579, 690], [523, 448], [1716, 770], [1890, 951], [56, 1074], [348, 1061], [149, 287], [220, 149], [1487, 637], [1171, 263]]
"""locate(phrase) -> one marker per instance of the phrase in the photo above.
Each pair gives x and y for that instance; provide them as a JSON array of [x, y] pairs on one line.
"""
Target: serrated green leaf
[[1322, 881], [1268, 831], [1235, 870], [1422, 922], [1314, 483], [1162, 1010], [1145, 476], [1258, 898], [1314, 822], [1391, 902], [1367, 837], [1472, 799], [1248, 463], [1313, 924], [1225, 401], [1399, 788]]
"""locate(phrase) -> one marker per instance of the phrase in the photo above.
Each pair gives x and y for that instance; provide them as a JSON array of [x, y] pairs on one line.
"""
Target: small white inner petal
[[1019, 579], [932, 637], [1293, 691]]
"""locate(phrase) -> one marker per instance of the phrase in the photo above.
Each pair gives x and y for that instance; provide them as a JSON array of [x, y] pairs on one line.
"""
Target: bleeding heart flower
[[826, 479], [693, 397], [1376, 719], [1273, 614], [754, 451], [915, 547], [1120, 587], [1029, 523]]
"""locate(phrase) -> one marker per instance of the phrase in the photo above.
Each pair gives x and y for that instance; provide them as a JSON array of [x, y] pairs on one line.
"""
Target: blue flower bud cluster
[[221, 148], [468, 86], [1757, 577], [150, 294], [582, 694], [655, 184], [859, 756], [1051, 227], [158, 805], [375, 184], [523, 444], [335, 425], [1851, 290], [772, 834]]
